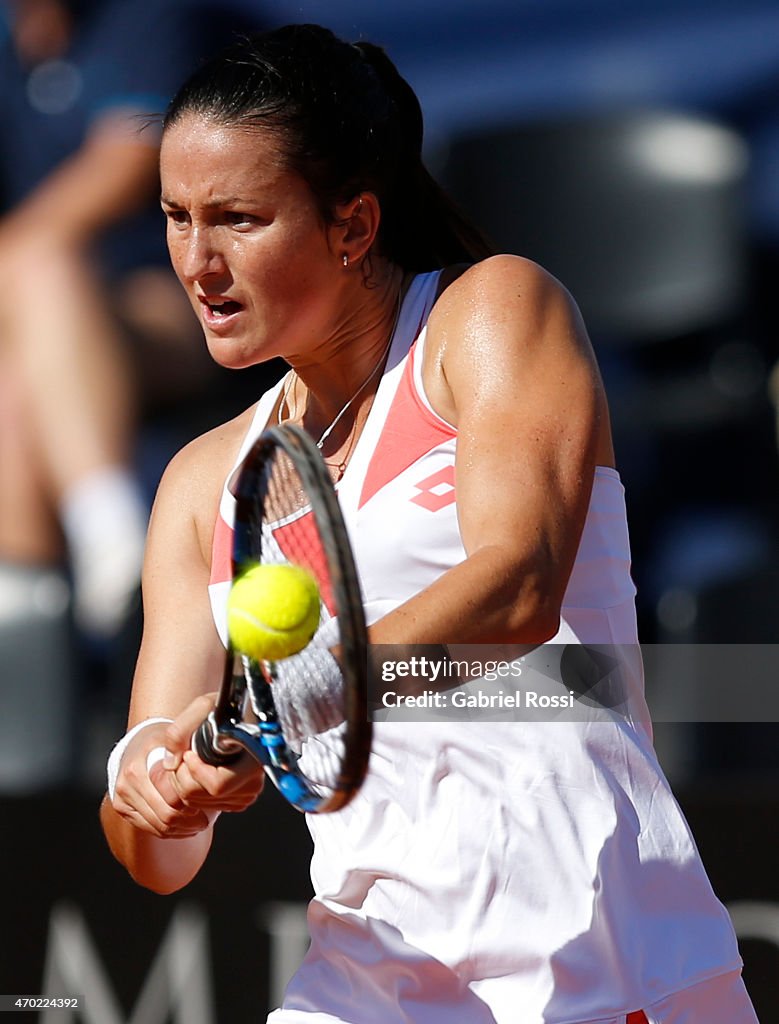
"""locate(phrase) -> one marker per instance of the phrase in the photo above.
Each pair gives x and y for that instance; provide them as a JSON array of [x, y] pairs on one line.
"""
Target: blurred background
[[633, 150]]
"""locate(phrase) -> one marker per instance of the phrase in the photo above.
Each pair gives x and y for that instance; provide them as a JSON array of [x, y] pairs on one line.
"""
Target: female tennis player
[[487, 871]]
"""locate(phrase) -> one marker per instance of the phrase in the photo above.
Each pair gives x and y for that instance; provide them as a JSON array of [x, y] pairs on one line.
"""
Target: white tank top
[[492, 872]]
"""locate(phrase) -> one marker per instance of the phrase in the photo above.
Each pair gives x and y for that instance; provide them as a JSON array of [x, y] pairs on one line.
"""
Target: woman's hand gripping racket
[[304, 717]]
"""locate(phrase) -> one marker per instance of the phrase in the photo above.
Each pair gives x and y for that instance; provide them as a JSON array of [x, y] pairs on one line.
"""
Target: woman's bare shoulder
[[212, 453], [192, 483], [502, 279]]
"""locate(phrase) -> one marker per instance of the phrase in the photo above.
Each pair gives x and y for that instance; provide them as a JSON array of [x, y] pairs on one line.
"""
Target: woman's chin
[[233, 356]]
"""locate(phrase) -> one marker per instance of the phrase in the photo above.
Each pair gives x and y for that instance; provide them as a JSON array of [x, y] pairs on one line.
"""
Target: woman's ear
[[355, 228]]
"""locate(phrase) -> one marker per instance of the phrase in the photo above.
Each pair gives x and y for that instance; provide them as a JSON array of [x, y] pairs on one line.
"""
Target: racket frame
[[226, 734]]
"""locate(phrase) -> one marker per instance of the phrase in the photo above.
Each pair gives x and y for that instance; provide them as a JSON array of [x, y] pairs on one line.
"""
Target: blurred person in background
[[86, 289]]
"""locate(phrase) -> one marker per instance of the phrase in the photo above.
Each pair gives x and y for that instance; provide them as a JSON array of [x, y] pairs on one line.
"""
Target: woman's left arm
[[508, 362]]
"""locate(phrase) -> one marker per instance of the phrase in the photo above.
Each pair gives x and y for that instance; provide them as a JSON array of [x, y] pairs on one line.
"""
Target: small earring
[[346, 260]]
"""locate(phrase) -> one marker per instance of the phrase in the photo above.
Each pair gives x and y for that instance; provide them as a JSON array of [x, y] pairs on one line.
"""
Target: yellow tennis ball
[[272, 611]]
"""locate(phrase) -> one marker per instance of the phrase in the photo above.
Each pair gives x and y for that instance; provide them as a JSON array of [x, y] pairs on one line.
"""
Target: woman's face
[[248, 243]]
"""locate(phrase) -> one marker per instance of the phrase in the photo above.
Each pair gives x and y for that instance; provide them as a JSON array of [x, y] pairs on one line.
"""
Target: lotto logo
[[436, 491]]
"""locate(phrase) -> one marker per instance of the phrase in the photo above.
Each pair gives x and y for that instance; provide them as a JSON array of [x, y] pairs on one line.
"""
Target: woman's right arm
[[159, 824]]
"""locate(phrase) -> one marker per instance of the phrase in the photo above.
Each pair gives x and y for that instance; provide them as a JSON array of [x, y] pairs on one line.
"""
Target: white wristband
[[115, 757]]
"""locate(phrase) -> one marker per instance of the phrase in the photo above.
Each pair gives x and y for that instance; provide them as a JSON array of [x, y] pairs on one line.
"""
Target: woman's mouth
[[218, 312]]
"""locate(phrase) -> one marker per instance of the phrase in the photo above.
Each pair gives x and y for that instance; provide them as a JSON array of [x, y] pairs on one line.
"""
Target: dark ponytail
[[348, 122], [423, 226]]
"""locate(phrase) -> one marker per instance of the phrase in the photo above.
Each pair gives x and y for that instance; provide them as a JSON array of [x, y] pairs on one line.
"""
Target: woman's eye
[[238, 219], [177, 216]]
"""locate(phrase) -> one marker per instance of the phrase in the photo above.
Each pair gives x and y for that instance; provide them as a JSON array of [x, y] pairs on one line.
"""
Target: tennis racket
[[304, 718]]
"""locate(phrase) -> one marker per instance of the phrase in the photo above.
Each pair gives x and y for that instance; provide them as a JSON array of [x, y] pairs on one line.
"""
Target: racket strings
[[307, 692]]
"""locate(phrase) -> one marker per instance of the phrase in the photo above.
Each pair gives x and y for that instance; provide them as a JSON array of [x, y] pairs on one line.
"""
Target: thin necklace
[[328, 430]]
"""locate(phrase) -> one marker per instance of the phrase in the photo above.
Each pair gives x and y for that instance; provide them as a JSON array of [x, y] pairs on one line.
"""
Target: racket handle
[[206, 744]]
